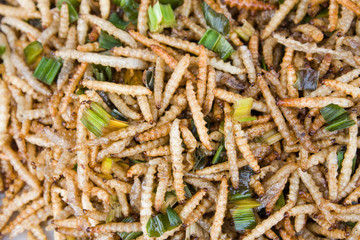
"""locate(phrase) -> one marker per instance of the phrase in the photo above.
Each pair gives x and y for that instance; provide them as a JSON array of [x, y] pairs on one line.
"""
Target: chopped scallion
[[242, 110], [340, 157], [95, 119], [245, 31], [215, 20], [272, 137], [174, 218], [73, 5], [102, 73], [242, 213], [336, 117], [33, 51], [216, 158], [2, 49], [174, 3], [170, 201], [214, 41], [47, 70], [106, 165], [160, 17]]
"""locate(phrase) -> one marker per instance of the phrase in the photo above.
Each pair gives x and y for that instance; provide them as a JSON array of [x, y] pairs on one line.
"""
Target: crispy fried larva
[[146, 201], [111, 29], [346, 169], [159, 151], [310, 31], [24, 70], [189, 139], [8, 11], [192, 203], [301, 11], [232, 97], [180, 44], [275, 112], [142, 23], [198, 116], [123, 107], [174, 82], [9, 67], [113, 148], [291, 79], [4, 111], [342, 87], [332, 167], [116, 62], [278, 17], [258, 130], [164, 174], [64, 20], [315, 193], [198, 30], [44, 8], [202, 76], [335, 233], [268, 49], [116, 227], [159, 80], [244, 148], [350, 5], [314, 102], [170, 60], [225, 66], [141, 147], [90, 47], [154, 133], [143, 103], [143, 54], [104, 8], [230, 146], [269, 222], [248, 62], [22, 26], [177, 160], [220, 210], [211, 85], [116, 88]]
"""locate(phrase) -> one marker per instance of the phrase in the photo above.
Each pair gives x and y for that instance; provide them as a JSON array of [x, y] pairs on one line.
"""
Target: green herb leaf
[[189, 190], [33, 51], [214, 41], [47, 70], [336, 117], [340, 157], [129, 236], [280, 202], [148, 79], [117, 21], [216, 158], [174, 3], [215, 20], [200, 159], [102, 73], [130, 8], [73, 5], [263, 64], [2, 49], [174, 218], [107, 41], [158, 225]]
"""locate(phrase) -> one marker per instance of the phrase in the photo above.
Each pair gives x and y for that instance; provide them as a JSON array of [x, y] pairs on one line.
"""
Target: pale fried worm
[[71, 86], [198, 116], [170, 60], [202, 76], [301, 134], [275, 112]]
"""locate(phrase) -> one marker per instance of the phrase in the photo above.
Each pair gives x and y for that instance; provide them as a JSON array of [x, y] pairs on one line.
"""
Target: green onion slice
[[95, 119], [216, 159], [132, 235], [2, 49], [170, 201], [242, 110], [158, 225], [47, 70], [214, 41], [336, 117], [271, 137], [117, 21], [160, 17], [73, 5], [242, 213], [102, 73], [215, 20], [33, 51], [245, 31], [107, 41]]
